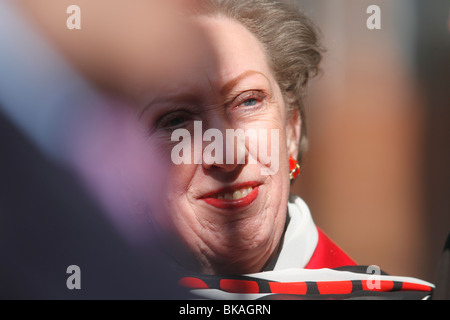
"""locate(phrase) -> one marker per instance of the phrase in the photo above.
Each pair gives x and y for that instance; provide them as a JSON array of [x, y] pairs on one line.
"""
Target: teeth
[[236, 195]]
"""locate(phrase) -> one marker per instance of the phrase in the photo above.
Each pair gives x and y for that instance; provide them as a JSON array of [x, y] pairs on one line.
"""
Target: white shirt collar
[[300, 239]]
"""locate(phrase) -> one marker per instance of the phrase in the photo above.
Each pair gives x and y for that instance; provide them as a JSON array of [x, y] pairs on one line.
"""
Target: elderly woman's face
[[228, 216]]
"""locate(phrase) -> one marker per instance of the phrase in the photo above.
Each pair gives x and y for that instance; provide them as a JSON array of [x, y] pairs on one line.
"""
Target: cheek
[[175, 188], [163, 144], [179, 181], [268, 146], [187, 221]]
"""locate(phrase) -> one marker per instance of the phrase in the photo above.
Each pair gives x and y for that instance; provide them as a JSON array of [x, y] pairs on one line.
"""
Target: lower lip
[[233, 204]]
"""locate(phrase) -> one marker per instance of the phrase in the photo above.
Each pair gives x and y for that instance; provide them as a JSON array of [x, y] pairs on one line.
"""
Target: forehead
[[233, 50], [230, 54]]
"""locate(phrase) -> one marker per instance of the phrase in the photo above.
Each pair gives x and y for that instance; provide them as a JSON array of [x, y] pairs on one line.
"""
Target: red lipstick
[[217, 200]]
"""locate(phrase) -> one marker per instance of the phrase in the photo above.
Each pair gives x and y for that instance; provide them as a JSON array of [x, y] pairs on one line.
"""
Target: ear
[[293, 133]]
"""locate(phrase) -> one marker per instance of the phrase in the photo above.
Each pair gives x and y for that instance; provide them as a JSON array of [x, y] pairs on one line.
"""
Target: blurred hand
[[123, 46]]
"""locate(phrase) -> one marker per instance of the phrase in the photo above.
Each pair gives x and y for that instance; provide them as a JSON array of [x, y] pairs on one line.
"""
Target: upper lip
[[230, 189]]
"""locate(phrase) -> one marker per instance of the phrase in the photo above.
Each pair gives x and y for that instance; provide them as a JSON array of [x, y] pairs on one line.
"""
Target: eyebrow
[[227, 87], [192, 98]]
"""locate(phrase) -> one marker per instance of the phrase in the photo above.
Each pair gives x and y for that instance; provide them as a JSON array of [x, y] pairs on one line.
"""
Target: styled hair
[[290, 41]]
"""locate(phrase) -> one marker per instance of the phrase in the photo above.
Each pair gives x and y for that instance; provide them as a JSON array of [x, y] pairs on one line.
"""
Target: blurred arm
[[123, 46]]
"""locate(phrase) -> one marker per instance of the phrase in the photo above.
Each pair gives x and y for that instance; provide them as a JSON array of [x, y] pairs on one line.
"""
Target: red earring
[[294, 168]]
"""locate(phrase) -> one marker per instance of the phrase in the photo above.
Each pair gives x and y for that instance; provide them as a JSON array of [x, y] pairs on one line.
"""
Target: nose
[[224, 149]]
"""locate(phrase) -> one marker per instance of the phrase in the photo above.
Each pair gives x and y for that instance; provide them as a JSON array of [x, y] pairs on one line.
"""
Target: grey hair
[[290, 41]]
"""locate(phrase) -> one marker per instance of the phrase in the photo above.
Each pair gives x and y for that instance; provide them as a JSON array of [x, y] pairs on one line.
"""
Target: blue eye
[[250, 102]]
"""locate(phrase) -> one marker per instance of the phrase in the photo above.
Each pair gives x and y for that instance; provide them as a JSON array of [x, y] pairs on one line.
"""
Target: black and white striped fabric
[[354, 282]]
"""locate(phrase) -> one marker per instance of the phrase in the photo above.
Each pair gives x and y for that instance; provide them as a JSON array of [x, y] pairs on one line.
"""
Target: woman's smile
[[233, 197]]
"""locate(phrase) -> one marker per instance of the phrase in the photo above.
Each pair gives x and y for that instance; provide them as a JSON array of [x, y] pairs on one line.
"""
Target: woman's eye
[[175, 122], [172, 121], [250, 102], [250, 99]]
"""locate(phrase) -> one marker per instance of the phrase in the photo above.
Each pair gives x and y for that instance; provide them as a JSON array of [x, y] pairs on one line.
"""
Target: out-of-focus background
[[377, 176]]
